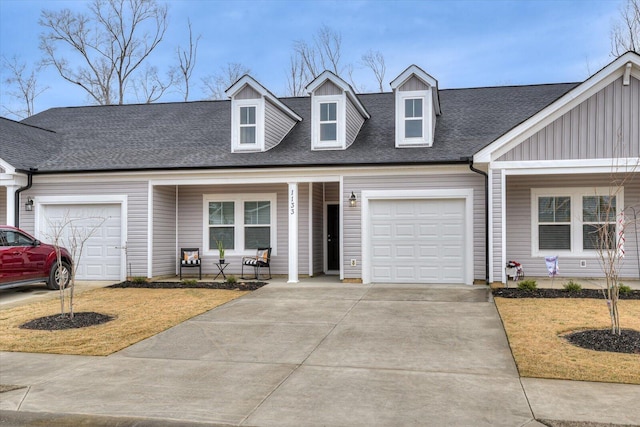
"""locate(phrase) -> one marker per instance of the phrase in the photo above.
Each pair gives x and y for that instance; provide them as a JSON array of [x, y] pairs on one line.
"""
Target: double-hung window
[[248, 125], [328, 121], [243, 222], [574, 221], [413, 118]]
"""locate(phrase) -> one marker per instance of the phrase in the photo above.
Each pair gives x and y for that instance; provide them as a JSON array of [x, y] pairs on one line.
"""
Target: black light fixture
[[352, 200], [29, 205]]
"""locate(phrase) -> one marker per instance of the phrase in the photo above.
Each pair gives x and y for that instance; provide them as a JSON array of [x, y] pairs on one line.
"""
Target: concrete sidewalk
[[312, 354]]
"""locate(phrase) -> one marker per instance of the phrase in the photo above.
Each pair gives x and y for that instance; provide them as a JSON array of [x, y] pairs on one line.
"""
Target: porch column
[[293, 232]]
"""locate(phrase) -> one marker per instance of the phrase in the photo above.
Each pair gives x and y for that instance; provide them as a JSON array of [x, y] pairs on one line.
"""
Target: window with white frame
[[247, 132], [328, 122], [243, 223], [574, 221], [413, 119]]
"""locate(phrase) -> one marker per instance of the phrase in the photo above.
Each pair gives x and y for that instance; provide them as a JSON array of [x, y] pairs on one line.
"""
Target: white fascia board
[[264, 92], [563, 167], [8, 168], [344, 86], [559, 107], [414, 70]]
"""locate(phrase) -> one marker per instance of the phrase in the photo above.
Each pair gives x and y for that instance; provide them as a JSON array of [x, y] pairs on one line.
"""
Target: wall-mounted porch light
[[352, 200], [29, 205]]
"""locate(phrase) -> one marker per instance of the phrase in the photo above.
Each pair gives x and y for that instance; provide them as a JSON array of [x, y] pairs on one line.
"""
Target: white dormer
[[336, 113], [417, 106], [259, 120]]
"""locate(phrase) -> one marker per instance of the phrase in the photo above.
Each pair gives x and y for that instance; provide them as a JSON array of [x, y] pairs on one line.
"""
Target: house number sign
[[292, 203]]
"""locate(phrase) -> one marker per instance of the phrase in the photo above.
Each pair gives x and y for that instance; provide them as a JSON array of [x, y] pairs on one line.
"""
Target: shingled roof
[[198, 134], [24, 146]]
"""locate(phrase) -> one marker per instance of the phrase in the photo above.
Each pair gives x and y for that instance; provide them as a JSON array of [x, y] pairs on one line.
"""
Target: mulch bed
[[238, 286], [58, 322], [593, 339]]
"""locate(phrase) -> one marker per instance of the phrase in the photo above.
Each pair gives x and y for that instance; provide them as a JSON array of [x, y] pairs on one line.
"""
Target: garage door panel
[[426, 243], [100, 226]]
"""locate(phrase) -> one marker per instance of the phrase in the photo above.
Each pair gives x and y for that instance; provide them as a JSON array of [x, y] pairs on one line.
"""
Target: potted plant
[[221, 251]]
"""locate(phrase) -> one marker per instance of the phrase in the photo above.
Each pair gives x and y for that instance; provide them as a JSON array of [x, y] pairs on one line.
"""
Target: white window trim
[[575, 194], [238, 200], [316, 143], [236, 146], [427, 108]]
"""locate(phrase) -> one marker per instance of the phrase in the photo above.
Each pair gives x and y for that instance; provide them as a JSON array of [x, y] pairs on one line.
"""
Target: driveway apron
[[316, 354]]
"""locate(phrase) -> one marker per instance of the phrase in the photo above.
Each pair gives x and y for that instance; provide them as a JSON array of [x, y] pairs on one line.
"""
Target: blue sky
[[470, 43]]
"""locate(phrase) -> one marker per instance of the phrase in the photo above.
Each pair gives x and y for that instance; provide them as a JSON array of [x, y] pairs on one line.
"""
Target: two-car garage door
[[418, 241], [99, 225]]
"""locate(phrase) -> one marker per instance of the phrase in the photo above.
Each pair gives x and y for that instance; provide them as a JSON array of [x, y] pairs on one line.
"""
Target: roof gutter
[[486, 213], [17, 195]]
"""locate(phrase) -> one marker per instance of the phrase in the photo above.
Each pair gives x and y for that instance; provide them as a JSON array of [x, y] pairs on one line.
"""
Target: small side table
[[221, 268]]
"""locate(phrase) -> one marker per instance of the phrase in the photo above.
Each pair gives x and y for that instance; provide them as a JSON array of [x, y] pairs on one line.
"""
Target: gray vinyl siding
[[248, 93], [352, 236], [191, 224], [318, 228], [3, 205], [137, 200], [412, 84], [354, 122], [604, 126], [332, 192], [327, 88], [277, 125], [519, 225], [164, 231]]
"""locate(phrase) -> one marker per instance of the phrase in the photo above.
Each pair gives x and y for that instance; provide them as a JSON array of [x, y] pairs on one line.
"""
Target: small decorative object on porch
[[221, 251], [514, 270], [552, 266]]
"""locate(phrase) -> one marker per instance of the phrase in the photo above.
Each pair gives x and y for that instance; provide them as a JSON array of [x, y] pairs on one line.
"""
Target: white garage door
[[417, 241], [101, 257]]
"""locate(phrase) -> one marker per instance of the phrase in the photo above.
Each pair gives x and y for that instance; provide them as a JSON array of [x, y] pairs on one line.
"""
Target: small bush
[[572, 286], [624, 289], [528, 285], [190, 281], [139, 279], [232, 279]]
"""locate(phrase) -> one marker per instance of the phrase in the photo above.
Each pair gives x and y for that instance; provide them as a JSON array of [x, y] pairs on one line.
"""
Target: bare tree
[[375, 62], [296, 80], [217, 84], [73, 234], [187, 62], [22, 85], [112, 42], [148, 86], [625, 33]]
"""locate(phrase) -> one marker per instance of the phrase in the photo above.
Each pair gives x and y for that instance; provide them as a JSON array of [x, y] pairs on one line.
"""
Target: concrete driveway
[[311, 354]]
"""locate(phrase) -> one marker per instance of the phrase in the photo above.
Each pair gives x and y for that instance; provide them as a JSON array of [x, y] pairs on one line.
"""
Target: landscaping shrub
[[190, 281], [528, 285], [624, 289], [572, 286], [139, 279], [232, 279]]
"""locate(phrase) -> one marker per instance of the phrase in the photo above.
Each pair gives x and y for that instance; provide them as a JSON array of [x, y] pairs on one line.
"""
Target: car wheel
[[59, 276]]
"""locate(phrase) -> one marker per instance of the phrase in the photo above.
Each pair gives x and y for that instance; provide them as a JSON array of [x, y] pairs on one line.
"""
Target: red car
[[24, 260]]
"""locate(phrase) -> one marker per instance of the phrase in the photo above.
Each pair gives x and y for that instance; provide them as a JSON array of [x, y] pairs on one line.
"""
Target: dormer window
[[259, 120], [328, 122], [413, 120], [417, 106], [248, 125], [336, 113]]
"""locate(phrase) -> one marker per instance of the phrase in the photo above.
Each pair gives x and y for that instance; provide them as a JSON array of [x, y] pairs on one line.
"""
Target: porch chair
[[190, 258], [261, 260]]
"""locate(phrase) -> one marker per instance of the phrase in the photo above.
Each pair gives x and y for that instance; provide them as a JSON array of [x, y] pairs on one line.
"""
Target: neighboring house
[[448, 184]]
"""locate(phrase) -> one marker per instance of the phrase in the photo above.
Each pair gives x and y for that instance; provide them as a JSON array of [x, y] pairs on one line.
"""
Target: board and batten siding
[[414, 84], [248, 93], [519, 223], [3, 205], [191, 224], [327, 88], [352, 234], [164, 231], [354, 122], [137, 199], [606, 125], [277, 125]]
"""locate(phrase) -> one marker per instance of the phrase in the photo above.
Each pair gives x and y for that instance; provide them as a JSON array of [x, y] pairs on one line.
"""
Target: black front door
[[333, 237]]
